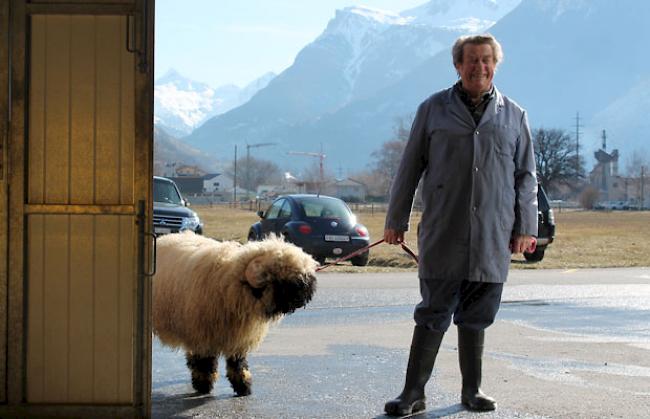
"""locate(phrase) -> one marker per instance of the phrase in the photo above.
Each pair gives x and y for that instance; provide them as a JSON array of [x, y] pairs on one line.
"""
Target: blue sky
[[235, 41]]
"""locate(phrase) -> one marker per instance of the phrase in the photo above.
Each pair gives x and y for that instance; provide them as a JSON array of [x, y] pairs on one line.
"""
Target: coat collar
[[493, 108], [458, 108]]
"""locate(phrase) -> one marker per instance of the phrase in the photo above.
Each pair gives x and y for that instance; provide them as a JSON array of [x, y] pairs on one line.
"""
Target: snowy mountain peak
[[358, 27], [181, 104], [173, 77], [355, 22], [476, 15], [378, 15]]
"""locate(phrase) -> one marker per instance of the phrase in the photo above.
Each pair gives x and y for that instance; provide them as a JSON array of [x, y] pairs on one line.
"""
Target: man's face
[[477, 69]]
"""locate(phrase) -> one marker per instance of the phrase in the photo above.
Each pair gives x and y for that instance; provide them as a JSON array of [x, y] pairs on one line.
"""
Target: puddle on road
[[559, 369], [581, 321]]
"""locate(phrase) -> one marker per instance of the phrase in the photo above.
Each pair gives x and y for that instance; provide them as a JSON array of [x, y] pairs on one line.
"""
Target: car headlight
[[190, 223]]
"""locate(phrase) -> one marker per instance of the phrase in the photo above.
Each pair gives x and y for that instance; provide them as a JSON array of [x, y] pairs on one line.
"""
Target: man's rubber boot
[[424, 349], [470, 356]]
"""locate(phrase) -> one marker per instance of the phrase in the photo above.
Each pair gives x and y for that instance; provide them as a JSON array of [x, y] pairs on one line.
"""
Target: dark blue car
[[321, 225]]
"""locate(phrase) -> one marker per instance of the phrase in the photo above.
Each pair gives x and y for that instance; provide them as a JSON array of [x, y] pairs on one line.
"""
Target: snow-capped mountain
[[554, 66], [361, 52], [181, 104], [470, 15]]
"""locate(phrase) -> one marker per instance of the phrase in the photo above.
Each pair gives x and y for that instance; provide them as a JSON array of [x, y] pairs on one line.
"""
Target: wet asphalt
[[566, 344]]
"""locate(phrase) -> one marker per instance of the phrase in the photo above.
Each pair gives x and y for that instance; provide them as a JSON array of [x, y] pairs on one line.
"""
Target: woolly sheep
[[216, 299]]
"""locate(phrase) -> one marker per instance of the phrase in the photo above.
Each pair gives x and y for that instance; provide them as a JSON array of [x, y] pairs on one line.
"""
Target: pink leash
[[404, 247], [363, 249]]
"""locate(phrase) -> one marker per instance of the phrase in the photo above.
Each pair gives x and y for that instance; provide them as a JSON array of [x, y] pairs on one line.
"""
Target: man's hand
[[393, 236], [522, 243]]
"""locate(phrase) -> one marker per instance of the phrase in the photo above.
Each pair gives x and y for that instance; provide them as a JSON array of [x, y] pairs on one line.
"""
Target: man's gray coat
[[479, 187]]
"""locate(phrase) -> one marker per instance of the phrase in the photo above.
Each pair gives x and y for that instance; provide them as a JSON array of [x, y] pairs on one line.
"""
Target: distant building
[[187, 170], [289, 185], [189, 185], [638, 191], [175, 169], [605, 178], [350, 189], [212, 183]]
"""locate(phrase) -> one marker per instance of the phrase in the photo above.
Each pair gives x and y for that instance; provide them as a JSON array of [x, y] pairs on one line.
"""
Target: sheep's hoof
[[242, 384], [244, 391], [204, 372], [202, 384], [239, 375]]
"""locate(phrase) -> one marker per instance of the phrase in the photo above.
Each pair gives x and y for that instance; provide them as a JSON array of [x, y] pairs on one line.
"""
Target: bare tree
[[588, 197], [369, 178], [312, 173], [261, 172], [636, 162], [386, 160], [557, 160], [637, 168]]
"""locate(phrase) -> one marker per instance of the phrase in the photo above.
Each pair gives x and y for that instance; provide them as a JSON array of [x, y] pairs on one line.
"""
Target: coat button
[[474, 208], [476, 132], [476, 169]]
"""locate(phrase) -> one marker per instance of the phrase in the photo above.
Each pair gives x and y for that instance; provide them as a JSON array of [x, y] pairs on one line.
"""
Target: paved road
[[566, 344]]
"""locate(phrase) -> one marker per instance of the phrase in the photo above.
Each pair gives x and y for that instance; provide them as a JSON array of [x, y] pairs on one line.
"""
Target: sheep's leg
[[204, 371], [239, 375]]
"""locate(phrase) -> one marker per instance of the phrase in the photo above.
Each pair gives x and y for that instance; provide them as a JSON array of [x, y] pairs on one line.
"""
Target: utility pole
[[248, 162], [642, 187], [578, 126], [234, 198]]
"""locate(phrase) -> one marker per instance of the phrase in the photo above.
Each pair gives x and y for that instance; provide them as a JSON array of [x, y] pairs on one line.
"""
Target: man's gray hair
[[457, 50]]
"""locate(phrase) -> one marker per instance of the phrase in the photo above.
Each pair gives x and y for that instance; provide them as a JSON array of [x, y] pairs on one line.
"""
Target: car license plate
[[162, 230], [336, 238]]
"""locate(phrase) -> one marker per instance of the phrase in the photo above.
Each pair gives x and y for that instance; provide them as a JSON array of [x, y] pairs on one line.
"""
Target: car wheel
[[536, 256], [252, 236], [361, 260]]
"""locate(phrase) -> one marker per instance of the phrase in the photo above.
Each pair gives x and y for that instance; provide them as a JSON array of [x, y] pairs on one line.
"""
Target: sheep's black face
[[291, 294]]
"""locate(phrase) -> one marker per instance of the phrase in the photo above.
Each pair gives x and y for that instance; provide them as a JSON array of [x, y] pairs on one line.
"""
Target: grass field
[[584, 239]]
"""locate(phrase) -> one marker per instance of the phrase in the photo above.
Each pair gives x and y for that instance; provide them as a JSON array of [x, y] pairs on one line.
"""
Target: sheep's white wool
[[202, 299]]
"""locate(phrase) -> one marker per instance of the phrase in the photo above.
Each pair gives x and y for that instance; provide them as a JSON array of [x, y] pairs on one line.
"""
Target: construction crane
[[320, 156], [248, 161]]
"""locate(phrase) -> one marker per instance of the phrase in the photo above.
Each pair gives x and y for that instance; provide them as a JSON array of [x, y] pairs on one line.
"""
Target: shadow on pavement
[[440, 412]]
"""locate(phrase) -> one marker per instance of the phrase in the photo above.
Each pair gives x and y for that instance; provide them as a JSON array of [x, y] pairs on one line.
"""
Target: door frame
[[4, 134], [14, 94]]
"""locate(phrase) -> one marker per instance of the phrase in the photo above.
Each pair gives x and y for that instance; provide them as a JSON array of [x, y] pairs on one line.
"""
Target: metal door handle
[[137, 35], [153, 272]]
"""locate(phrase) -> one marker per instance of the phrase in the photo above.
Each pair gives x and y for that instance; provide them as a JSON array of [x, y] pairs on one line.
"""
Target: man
[[472, 148]]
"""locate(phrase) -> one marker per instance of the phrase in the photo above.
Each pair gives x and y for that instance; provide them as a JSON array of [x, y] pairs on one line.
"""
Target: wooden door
[[80, 207]]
